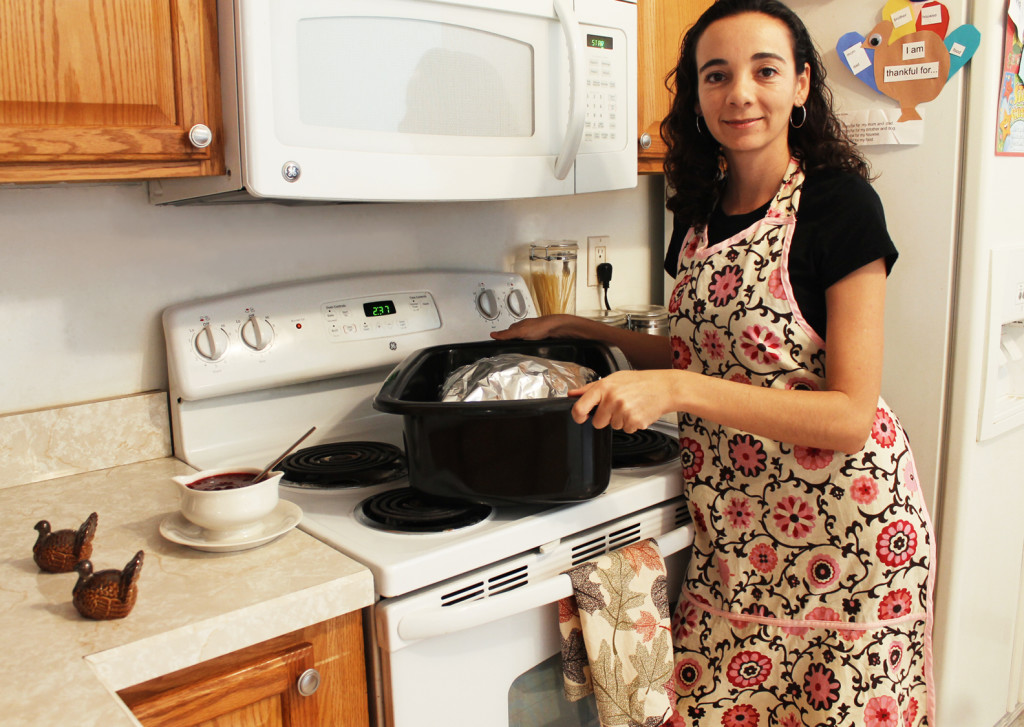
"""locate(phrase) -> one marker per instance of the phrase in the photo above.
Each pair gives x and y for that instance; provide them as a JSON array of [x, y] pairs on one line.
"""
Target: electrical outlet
[[597, 253]]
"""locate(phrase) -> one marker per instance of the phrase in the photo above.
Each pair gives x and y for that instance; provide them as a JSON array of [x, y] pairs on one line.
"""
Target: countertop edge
[[128, 664]]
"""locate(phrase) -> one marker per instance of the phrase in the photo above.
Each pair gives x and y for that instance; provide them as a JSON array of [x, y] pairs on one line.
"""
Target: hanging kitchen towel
[[616, 635]]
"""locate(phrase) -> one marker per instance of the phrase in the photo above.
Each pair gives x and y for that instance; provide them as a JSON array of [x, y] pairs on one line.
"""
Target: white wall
[[87, 269]]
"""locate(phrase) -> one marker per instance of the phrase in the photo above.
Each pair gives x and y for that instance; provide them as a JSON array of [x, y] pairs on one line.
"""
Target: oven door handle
[[449, 619]]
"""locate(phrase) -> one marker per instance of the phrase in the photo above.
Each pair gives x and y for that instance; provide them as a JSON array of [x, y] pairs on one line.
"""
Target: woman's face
[[747, 84]]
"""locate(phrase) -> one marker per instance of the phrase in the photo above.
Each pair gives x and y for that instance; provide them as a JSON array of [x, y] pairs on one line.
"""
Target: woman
[[807, 597]]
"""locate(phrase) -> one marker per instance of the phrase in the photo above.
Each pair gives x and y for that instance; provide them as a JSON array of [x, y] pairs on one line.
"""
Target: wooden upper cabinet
[[107, 89], [661, 25]]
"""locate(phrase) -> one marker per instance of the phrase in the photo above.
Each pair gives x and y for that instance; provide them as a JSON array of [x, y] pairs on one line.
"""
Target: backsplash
[[89, 269], [50, 443]]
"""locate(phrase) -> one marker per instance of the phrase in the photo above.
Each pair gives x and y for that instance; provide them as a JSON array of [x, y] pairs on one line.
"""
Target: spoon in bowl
[[284, 454]]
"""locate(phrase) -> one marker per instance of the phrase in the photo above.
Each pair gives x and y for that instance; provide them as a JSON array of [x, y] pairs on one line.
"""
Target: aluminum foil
[[514, 376]]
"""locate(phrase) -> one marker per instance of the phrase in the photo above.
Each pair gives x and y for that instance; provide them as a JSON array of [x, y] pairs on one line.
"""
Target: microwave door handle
[[577, 89], [450, 619]]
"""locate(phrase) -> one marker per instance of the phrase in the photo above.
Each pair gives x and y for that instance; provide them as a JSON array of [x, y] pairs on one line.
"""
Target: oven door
[[496, 660], [422, 99]]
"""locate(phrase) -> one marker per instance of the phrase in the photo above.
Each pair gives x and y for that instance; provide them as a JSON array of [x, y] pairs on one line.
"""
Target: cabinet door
[[107, 89], [661, 24], [258, 686], [263, 692]]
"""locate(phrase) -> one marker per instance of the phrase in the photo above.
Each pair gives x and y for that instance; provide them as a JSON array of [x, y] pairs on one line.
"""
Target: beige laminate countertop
[[59, 668]]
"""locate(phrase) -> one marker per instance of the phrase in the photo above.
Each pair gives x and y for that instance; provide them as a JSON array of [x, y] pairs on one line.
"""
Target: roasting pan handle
[[449, 619]]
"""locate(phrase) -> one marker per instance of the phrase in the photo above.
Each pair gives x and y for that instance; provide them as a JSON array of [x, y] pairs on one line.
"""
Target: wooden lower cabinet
[[259, 686]]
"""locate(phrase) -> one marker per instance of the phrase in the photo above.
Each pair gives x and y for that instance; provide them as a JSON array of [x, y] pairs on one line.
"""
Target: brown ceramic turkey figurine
[[106, 594], [58, 551]]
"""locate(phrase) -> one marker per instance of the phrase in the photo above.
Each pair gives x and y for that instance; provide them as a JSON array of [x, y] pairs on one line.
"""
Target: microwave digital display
[[378, 308], [599, 41]]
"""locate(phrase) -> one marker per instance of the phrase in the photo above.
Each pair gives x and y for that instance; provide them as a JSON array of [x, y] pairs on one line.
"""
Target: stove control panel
[[375, 317], [285, 334]]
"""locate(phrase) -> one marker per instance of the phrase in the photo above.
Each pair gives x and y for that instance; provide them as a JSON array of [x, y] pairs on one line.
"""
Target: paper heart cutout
[[850, 45], [934, 16], [962, 44], [901, 13]]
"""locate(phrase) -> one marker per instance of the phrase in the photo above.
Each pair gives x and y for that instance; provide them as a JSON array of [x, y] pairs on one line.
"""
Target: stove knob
[[487, 304], [211, 343], [516, 303], [257, 335]]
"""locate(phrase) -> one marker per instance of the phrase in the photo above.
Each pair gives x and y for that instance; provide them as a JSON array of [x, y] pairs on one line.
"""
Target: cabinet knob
[[200, 136], [645, 141], [308, 683]]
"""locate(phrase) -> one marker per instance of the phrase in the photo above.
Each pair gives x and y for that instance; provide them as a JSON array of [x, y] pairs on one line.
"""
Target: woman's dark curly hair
[[692, 165]]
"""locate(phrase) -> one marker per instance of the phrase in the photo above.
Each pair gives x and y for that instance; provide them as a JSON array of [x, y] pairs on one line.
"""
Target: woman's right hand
[[560, 325]]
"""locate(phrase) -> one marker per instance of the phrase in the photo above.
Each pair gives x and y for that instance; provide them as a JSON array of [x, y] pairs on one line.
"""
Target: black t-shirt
[[840, 228]]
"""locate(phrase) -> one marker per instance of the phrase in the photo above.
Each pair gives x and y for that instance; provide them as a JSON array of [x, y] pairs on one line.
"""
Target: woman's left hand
[[626, 400]]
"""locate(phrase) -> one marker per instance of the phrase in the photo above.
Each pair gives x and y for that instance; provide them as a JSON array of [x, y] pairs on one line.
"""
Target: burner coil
[[408, 511], [344, 464]]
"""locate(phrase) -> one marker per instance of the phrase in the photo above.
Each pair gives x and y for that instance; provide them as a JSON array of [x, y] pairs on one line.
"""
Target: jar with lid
[[553, 276], [651, 319]]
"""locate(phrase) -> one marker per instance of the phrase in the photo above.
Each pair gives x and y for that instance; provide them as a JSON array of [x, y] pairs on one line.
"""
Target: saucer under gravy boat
[[285, 516]]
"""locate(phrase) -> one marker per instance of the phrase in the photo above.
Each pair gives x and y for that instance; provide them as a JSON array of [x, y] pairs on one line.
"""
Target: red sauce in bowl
[[226, 481]]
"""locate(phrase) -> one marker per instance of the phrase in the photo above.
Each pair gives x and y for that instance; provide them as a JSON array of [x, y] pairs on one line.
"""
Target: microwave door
[[405, 99]]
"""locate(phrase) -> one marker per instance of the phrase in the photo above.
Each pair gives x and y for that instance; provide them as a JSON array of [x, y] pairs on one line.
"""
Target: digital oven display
[[599, 41], [378, 308]]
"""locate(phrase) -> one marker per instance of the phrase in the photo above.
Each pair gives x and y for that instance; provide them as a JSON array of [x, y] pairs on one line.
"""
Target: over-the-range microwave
[[402, 100]]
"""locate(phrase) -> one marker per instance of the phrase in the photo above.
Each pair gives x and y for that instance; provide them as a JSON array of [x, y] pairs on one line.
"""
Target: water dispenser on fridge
[[1002, 407]]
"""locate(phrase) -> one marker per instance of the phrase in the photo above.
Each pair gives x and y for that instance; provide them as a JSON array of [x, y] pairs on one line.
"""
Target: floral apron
[[807, 598]]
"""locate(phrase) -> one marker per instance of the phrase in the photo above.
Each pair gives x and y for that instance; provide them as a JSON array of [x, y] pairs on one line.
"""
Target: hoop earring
[[699, 131], [803, 119]]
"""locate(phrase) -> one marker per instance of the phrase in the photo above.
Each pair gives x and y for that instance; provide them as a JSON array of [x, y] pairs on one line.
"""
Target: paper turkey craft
[[909, 55]]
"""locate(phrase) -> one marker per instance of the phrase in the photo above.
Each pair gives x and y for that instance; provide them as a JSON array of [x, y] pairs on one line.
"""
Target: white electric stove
[[251, 371]]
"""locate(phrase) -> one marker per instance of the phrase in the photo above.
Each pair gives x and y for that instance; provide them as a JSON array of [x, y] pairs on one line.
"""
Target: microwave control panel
[[606, 63]]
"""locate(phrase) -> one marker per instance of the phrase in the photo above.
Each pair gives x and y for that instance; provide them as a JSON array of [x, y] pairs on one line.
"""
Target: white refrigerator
[[950, 351]]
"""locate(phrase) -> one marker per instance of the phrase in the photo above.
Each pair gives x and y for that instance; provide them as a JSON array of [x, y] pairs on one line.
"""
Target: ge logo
[[393, 346]]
